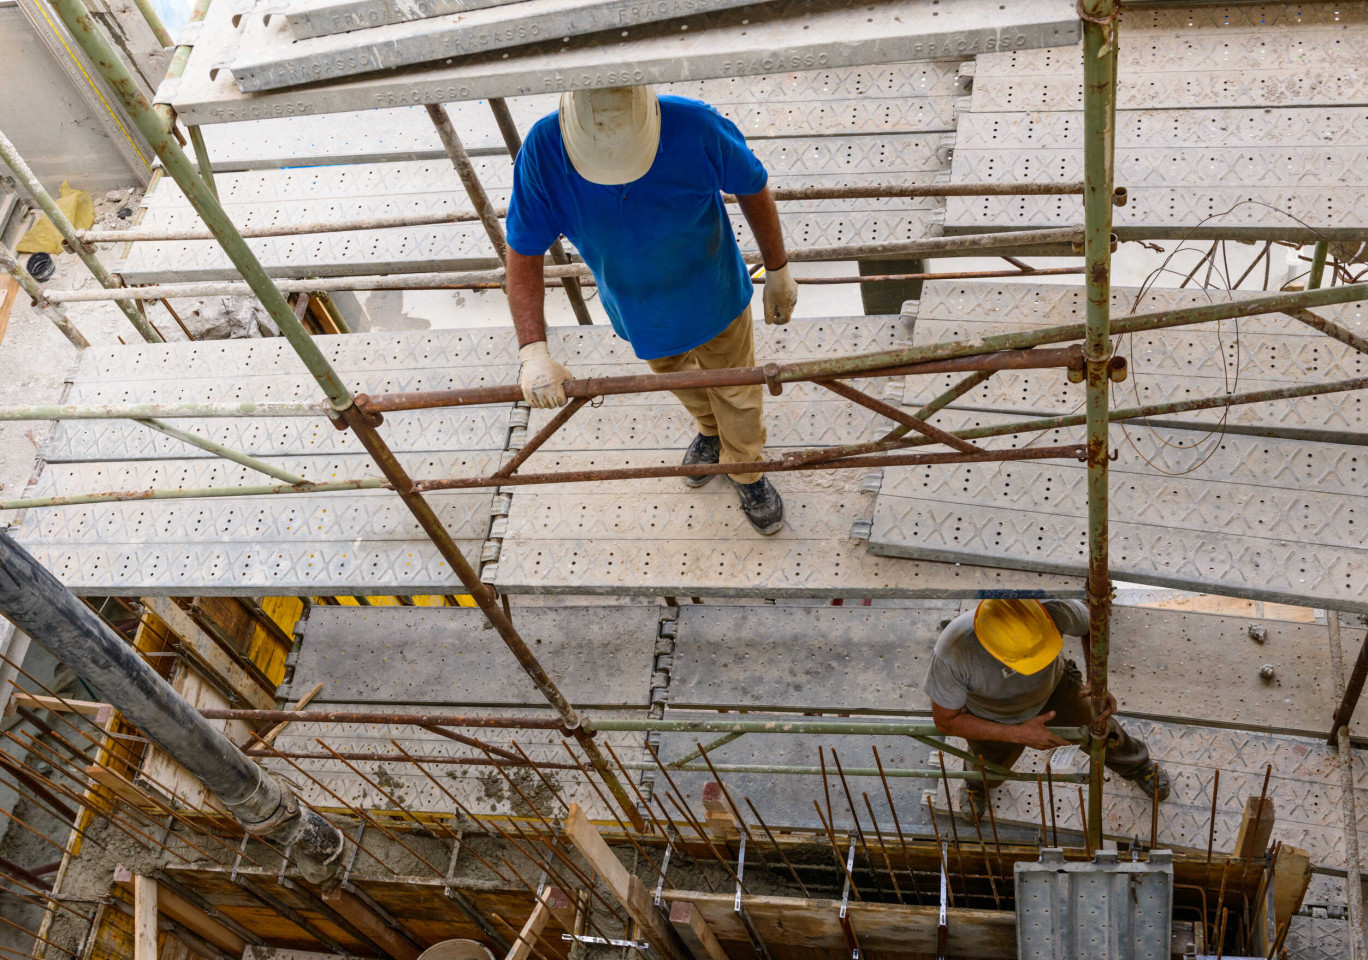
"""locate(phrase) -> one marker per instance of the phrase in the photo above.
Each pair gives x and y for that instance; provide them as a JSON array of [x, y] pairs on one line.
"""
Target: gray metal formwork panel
[[1304, 787], [478, 788], [1317, 938], [1103, 910], [918, 97], [886, 33], [657, 537], [1267, 519], [444, 656], [310, 55], [345, 191], [872, 660]]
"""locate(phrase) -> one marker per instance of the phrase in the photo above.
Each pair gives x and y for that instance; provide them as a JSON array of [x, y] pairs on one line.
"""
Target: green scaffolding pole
[[1100, 23]]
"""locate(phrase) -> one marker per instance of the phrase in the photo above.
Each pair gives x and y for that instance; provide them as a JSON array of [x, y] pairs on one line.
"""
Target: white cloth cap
[[611, 135]]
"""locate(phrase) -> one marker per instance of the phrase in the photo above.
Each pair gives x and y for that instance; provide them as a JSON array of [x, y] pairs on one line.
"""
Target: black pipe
[[37, 603]]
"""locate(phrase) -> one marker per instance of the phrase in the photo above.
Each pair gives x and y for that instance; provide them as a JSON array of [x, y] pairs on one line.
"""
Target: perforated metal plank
[[658, 537], [1184, 364], [1094, 911], [1317, 938], [899, 98], [448, 656], [869, 660], [1304, 787], [1241, 516], [1235, 17], [479, 788], [367, 362], [304, 55], [885, 33], [272, 197]]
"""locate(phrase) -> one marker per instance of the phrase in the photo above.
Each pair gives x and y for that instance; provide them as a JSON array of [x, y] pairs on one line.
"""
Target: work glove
[[542, 379], [781, 295]]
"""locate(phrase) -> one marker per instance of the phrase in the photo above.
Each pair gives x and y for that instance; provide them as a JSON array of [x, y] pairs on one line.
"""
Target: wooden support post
[[380, 933], [189, 916], [1255, 829], [695, 932], [1290, 876], [628, 889], [303, 702], [144, 918], [553, 904], [717, 815]]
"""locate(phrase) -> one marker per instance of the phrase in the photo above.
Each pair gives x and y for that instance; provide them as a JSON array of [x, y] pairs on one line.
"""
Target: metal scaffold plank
[[657, 537], [302, 53], [871, 660], [1262, 518], [918, 97], [271, 197], [444, 656], [884, 33]]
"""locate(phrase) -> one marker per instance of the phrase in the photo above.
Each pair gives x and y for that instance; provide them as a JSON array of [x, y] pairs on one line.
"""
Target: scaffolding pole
[[88, 35], [31, 185], [1099, 129]]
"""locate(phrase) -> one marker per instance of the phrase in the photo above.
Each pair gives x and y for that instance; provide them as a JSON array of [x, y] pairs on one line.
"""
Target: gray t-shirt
[[963, 675]]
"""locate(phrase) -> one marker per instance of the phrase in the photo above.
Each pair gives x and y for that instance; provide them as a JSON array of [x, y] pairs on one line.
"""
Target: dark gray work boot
[[704, 449], [761, 504], [1153, 780]]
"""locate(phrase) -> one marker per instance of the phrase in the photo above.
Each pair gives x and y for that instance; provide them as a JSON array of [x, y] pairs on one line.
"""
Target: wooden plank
[[100, 712], [374, 927], [629, 890], [213, 655], [117, 785], [694, 931], [144, 918], [1255, 828], [303, 702], [527, 937], [1291, 874], [9, 296], [815, 925]]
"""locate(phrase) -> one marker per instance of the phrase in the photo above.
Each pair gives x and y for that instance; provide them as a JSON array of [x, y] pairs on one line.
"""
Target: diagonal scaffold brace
[[158, 131]]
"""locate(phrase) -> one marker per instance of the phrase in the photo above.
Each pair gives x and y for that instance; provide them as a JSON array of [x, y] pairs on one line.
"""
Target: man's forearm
[[966, 726], [527, 297], [763, 217]]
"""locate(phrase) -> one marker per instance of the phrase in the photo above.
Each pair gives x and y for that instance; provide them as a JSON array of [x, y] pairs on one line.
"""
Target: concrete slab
[[442, 656]]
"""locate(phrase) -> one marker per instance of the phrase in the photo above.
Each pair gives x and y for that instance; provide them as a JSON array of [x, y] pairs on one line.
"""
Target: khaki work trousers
[[1126, 756], [735, 414]]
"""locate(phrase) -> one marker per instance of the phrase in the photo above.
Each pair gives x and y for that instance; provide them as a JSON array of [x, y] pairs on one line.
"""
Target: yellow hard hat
[[1019, 633]]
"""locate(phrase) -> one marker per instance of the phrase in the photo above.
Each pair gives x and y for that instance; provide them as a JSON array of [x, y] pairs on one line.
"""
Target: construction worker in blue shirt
[[635, 182]]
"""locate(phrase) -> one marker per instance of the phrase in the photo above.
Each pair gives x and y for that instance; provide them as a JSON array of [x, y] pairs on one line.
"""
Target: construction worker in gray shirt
[[998, 677]]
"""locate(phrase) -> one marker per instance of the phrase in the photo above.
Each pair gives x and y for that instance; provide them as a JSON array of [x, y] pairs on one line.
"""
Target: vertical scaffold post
[[31, 185], [174, 159], [1099, 130]]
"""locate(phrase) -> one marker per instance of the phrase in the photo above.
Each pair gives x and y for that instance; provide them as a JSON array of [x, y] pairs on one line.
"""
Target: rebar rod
[[34, 188], [219, 450], [778, 849], [39, 299], [1100, 38]]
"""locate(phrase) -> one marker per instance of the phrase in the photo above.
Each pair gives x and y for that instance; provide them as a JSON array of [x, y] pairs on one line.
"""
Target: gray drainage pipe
[[38, 604]]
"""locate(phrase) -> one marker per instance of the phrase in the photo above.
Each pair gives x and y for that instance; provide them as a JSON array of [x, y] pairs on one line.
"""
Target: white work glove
[[781, 295], [542, 379]]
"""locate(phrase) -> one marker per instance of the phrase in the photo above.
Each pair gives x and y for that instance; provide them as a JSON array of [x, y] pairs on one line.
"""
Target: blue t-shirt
[[661, 247]]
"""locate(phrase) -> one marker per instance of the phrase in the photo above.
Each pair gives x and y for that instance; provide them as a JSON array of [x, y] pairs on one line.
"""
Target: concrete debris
[[229, 318], [1258, 633]]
